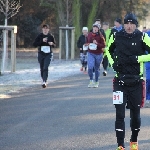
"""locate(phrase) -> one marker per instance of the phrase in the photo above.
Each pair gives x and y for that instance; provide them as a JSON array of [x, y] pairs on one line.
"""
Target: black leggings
[[105, 63], [135, 123], [44, 60], [133, 95]]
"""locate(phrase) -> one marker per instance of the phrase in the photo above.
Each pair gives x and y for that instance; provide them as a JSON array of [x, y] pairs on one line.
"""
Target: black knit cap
[[130, 17], [118, 20]]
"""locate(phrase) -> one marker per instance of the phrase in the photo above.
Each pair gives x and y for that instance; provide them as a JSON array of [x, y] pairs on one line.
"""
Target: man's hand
[[142, 103], [80, 49], [86, 44], [45, 39], [50, 43], [95, 42]]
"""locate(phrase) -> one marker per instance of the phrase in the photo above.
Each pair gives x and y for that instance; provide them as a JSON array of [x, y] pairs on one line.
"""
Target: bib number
[[45, 49], [92, 46], [117, 97], [85, 47]]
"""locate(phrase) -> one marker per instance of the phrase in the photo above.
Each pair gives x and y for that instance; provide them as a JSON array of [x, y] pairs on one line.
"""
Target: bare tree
[[9, 8]]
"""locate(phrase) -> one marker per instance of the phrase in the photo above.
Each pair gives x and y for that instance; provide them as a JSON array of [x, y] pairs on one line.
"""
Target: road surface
[[65, 116]]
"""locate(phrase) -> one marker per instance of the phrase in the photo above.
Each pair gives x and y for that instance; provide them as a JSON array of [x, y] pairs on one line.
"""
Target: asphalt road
[[65, 116]]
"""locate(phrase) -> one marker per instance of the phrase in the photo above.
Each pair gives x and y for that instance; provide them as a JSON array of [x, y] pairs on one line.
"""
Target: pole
[[5, 41], [72, 43], [6, 23], [60, 43], [67, 45], [4, 52], [67, 49], [13, 51]]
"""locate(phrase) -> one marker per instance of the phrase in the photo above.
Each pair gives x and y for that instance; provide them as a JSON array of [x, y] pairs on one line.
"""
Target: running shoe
[[133, 145], [91, 84], [81, 69], [44, 85], [85, 72], [120, 148], [96, 84], [104, 73]]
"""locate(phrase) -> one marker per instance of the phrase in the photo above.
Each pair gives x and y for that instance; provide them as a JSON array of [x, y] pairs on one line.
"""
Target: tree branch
[[2, 3], [13, 7], [2, 6], [1, 9]]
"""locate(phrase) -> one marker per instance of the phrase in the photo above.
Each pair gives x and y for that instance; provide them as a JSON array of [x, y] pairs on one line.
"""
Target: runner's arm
[[38, 41], [101, 44], [146, 45], [110, 49], [79, 43], [52, 39]]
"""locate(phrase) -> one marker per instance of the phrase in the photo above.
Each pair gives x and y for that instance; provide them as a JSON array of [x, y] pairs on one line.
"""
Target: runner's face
[[117, 24], [95, 29], [105, 27], [85, 32], [98, 22], [129, 27], [45, 30]]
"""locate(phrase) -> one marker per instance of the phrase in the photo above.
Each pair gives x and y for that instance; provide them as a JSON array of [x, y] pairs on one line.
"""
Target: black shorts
[[133, 95]]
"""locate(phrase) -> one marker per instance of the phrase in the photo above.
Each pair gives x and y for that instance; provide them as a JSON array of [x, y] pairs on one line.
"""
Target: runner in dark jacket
[[83, 53], [105, 59], [126, 54], [44, 41], [118, 26]]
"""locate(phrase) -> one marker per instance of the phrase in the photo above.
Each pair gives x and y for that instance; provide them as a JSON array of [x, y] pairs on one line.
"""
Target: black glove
[[117, 67], [133, 59]]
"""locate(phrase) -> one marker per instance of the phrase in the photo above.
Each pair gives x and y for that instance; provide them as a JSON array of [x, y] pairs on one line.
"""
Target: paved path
[[65, 116]]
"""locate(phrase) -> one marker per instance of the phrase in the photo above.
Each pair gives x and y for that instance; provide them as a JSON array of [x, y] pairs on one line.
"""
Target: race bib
[[45, 49], [85, 47], [92, 46], [117, 97]]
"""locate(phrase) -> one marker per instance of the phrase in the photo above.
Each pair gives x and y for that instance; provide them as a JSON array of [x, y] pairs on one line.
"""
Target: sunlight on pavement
[[3, 96]]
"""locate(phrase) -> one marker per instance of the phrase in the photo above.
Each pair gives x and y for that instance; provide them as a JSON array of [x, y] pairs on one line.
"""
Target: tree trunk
[[77, 20], [61, 12], [92, 13]]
